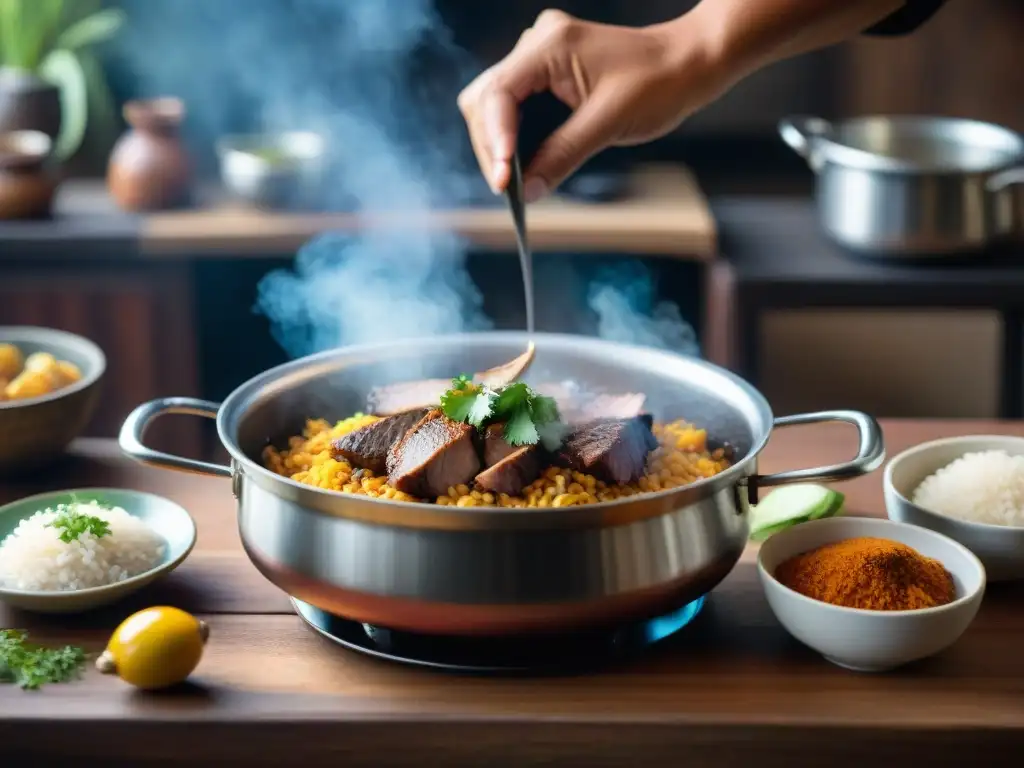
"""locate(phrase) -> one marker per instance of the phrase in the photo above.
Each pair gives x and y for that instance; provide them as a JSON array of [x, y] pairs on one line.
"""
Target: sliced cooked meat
[[508, 372], [624, 406], [577, 407], [613, 450], [435, 454], [367, 447], [512, 473], [496, 447], [406, 396], [426, 393]]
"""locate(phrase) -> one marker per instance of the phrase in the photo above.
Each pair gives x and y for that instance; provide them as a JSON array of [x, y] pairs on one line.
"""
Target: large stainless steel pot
[[913, 186], [450, 570]]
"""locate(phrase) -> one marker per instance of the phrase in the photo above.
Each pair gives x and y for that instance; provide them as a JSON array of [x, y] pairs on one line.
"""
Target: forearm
[[742, 36]]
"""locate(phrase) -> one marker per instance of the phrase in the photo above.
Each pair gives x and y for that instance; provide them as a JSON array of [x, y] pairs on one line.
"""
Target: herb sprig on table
[[529, 417], [72, 523], [31, 666]]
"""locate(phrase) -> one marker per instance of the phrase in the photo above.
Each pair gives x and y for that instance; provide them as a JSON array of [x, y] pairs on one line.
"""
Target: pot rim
[[422, 515], [820, 147]]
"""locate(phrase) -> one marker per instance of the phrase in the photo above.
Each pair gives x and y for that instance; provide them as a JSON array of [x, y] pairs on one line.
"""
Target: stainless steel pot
[[425, 568], [913, 186]]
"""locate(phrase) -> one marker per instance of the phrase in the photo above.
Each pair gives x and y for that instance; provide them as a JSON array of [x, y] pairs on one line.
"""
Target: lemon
[[155, 648]]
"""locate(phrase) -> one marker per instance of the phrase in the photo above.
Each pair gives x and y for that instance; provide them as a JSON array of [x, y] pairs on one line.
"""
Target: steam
[[378, 78], [624, 301], [370, 288]]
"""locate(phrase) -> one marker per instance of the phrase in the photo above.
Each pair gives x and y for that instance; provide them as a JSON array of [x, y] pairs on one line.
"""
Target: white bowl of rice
[[72, 551], [969, 488]]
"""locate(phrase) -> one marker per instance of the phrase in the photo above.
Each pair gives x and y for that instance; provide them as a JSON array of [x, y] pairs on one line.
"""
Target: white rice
[[983, 487], [34, 558]]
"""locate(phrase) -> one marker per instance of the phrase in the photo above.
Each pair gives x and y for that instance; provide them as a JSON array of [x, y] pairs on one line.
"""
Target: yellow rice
[[681, 458]]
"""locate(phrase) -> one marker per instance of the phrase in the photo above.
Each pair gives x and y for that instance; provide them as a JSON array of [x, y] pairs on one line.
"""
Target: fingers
[[584, 134], [499, 121], [490, 106]]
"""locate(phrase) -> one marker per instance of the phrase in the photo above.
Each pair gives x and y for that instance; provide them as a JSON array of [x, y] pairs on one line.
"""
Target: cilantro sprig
[[528, 417], [72, 523], [31, 666]]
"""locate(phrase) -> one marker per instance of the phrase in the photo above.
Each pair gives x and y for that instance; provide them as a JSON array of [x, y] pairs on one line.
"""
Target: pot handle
[[870, 453], [138, 421], [799, 131], [1005, 179]]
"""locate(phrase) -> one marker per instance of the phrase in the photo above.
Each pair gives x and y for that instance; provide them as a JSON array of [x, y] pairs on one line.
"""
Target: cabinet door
[[142, 318]]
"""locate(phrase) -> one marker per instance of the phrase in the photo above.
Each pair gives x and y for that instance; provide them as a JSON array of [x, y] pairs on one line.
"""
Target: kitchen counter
[[662, 213], [774, 257], [731, 689]]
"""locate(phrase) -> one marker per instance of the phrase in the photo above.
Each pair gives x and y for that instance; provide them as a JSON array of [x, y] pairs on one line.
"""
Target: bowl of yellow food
[[49, 388]]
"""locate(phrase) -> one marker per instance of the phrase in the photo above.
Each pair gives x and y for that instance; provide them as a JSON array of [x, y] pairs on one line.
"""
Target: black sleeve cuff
[[907, 19]]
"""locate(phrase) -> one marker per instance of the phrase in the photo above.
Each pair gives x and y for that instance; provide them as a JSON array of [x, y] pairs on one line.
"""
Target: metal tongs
[[516, 203]]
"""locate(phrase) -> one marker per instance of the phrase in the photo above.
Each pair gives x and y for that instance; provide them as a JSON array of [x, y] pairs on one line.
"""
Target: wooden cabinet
[[967, 61], [141, 315]]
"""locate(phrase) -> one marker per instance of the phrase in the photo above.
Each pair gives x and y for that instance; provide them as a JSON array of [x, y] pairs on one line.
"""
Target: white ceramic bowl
[[999, 547], [871, 641], [171, 521]]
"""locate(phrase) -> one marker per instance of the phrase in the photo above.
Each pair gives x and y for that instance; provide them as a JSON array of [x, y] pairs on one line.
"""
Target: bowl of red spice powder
[[868, 594]]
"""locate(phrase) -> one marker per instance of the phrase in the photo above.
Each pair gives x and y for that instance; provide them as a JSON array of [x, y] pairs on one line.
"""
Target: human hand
[[625, 86]]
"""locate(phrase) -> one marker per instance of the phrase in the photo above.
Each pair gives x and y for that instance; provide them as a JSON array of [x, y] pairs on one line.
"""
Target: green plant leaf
[[40, 28], [511, 397], [544, 409], [28, 29], [520, 429], [63, 69], [11, 39], [103, 113], [97, 28]]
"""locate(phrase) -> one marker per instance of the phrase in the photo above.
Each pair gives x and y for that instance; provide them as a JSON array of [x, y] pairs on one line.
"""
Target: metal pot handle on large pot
[[870, 452], [134, 429]]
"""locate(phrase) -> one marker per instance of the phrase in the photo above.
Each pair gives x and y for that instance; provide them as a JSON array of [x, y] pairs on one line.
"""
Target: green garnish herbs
[[468, 402], [73, 523], [31, 666], [529, 418]]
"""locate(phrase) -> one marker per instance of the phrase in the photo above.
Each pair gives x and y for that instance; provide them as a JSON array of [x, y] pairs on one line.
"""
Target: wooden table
[[733, 689]]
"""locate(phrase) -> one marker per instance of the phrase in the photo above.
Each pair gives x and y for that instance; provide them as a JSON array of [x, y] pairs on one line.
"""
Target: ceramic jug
[[149, 167], [27, 182]]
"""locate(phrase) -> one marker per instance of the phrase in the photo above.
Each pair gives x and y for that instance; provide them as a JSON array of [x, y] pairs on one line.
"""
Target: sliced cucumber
[[790, 505]]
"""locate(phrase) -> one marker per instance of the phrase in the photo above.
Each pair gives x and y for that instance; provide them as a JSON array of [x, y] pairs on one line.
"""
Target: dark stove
[[554, 654]]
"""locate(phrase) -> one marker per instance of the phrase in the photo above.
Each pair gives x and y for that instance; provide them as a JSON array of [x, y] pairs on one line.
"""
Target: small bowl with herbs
[[275, 171], [72, 551]]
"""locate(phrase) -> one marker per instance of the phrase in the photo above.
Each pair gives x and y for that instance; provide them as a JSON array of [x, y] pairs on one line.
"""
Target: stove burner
[[555, 654]]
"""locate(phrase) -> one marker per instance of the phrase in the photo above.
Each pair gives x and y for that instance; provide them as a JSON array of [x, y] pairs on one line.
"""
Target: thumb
[[584, 134]]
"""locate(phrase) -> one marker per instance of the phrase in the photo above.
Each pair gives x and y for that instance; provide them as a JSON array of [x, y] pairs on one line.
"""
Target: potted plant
[[49, 79]]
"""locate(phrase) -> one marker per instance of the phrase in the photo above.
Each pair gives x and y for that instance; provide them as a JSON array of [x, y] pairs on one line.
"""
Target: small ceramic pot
[[149, 168], [27, 182], [28, 103]]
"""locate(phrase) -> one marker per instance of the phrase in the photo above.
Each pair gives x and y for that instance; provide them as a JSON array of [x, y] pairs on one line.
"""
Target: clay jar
[[27, 183], [149, 169]]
